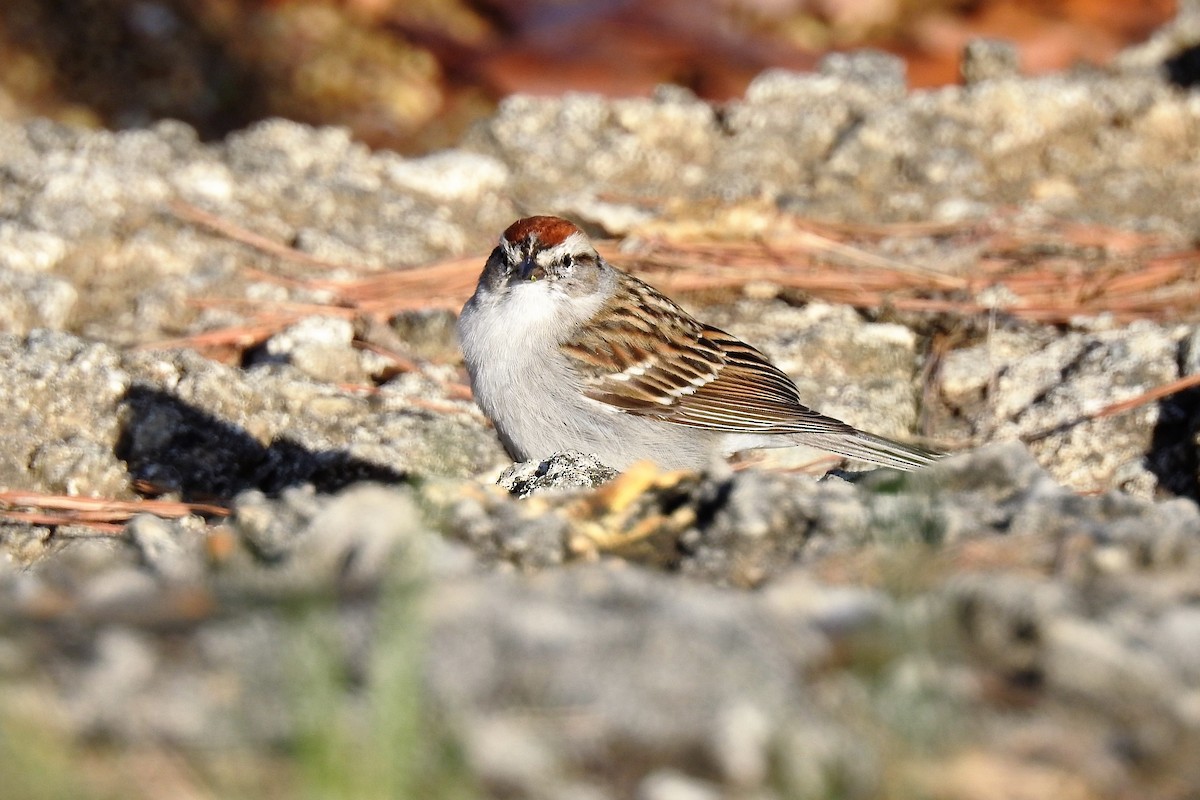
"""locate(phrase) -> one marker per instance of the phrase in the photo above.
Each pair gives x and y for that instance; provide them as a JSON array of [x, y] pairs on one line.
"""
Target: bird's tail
[[875, 449]]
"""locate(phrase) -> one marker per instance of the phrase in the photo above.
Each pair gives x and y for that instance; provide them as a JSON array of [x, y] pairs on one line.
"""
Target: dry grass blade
[[1052, 275], [98, 513], [857, 257], [1157, 393], [445, 284], [239, 337], [231, 230], [55, 520], [400, 362], [283, 309], [892, 230], [162, 508]]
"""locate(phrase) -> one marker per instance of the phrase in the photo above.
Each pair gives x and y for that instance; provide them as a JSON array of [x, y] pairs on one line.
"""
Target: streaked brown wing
[[750, 395], [685, 372]]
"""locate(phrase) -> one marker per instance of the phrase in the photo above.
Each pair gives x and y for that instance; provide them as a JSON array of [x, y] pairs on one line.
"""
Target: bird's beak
[[530, 270]]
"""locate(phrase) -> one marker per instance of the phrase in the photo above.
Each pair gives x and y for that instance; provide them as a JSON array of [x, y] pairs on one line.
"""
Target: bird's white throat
[[529, 316], [520, 378]]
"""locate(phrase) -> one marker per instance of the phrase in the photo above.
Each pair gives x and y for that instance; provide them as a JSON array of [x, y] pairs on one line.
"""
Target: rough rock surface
[[1021, 613], [570, 470]]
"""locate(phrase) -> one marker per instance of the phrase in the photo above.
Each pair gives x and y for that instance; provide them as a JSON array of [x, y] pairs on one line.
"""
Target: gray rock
[[751, 526], [881, 72], [1170, 40], [741, 746], [600, 143], [428, 333], [671, 785], [1046, 392], [505, 532], [817, 759], [451, 176], [1177, 636], [32, 301], [600, 626], [511, 760], [320, 347], [351, 538], [60, 426], [570, 470], [272, 528], [170, 550], [207, 429], [989, 59], [109, 687], [28, 250]]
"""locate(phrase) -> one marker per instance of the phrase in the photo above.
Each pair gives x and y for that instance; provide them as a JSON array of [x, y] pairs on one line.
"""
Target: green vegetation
[[365, 733], [377, 740]]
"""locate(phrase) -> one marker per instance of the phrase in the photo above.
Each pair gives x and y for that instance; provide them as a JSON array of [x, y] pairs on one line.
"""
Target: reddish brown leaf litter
[[1049, 275], [1155, 394], [231, 230], [1053, 275], [1050, 35], [98, 514]]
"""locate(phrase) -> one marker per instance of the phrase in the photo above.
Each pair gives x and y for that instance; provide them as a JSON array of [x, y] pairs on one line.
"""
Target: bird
[[567, 352]]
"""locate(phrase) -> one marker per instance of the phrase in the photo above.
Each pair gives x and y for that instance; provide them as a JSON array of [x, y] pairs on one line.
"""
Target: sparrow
[[567, 352]]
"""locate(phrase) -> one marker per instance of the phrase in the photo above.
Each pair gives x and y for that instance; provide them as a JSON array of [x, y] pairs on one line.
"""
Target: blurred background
[[412, 74], [201, 661]]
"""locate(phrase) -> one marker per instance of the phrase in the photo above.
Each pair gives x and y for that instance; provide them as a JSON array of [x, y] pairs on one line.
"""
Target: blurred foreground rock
[[936, 610]]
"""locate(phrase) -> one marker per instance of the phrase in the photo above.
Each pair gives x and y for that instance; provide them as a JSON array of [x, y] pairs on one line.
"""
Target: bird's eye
[[568, 261]]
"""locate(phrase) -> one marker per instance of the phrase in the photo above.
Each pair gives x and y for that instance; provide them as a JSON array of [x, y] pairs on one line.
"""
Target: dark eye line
[[570, 259]]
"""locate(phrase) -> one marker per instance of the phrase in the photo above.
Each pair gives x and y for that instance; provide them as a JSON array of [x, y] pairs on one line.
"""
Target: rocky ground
[[360, 611]]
